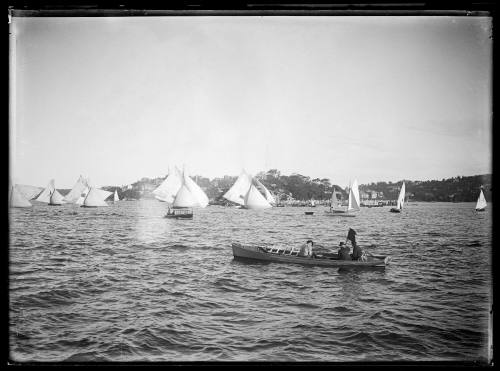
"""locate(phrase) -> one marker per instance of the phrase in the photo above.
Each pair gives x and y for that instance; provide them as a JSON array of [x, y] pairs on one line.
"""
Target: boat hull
[[483, 209], [394, 210], [340, 213], [309, 212], [259, 253], [182, 216]]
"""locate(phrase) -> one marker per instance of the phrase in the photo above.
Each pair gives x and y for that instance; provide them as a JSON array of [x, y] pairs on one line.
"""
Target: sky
[[368, 98]]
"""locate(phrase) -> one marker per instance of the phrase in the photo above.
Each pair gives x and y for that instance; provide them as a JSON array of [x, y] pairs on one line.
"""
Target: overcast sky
[[372, 98]]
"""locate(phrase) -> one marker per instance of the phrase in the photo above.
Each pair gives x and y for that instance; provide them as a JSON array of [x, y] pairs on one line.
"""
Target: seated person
[[344, 252], [306, 250]]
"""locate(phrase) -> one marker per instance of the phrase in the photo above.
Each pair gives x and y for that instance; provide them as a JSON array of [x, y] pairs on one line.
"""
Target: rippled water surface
[[123, 283]]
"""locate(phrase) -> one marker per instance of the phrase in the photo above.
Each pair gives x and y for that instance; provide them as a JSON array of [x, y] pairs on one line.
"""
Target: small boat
[[401, 200], [115, 197], [309, 212], [179, 214], [481, 202], [289, 256]]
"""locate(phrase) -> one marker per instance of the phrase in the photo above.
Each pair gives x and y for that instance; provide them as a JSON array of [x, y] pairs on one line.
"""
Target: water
[[125, 284]]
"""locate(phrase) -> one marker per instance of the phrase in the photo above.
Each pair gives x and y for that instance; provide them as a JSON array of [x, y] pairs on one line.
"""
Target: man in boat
[[306, 250], [356, 250]]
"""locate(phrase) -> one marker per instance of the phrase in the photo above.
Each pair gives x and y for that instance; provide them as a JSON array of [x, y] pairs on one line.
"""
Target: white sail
[[481, 201], [353, 197], [184, 198], [196, 191], [401, 197], [312, 203], [239, 189], [82, 196], [45, 195], [255, 200], [17, 199], [56, 198], [115, 197], [76, 191], [167, 190], [96, 197], [269, 197], [28, 191]]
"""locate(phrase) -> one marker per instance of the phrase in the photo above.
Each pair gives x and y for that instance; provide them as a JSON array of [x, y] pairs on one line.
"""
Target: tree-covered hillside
[[301, 187]]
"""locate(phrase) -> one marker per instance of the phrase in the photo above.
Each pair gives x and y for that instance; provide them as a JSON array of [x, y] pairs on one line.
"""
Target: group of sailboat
[[336, 208], [181, 193], [82, 194], [250, 193]]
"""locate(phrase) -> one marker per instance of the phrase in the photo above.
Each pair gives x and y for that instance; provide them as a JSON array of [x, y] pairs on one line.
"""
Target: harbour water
[[123, 283]]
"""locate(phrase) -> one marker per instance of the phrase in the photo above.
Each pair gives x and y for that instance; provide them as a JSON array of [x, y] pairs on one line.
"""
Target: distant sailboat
[[56, 199], [481, 201], [76, 192], [250, 193], [96, 197], [44, 196], [352, 205], [28, 191], [401, 200], [188, 196], [17, 198], [115, 197]]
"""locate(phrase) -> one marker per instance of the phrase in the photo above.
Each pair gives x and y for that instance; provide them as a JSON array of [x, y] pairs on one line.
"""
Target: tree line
[[301, 187]]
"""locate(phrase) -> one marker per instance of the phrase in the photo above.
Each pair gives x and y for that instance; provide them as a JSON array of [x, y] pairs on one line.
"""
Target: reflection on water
[[125, 284]]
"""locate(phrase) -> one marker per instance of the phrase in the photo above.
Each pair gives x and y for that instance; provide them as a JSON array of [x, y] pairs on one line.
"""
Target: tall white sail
[[28, 191], [184, 198], [353, 197], [96, 197], [76, 191], [481, 201], [82, 196], [269, 197], [56, 198], [196, 191], [167, 190], [17, 199], [115, 197], [45, 195], [401, 197], [239, 189], [255, 200]]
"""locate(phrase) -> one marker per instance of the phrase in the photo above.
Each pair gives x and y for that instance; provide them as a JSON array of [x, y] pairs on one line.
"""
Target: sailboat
[[115, 197], [481, 201], [17, 198], [95, 197], [187, 196], [56, 199], [245, 192], [401, 200], [76, 192], [352, 205], [28, 191], [167, 190], [44, 196]]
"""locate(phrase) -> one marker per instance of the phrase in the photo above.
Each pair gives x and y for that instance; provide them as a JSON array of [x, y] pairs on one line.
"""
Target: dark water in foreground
[[124, 284]]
